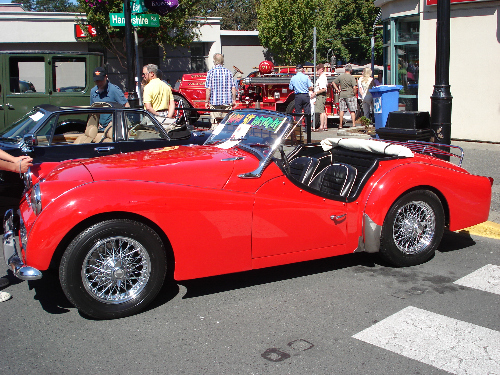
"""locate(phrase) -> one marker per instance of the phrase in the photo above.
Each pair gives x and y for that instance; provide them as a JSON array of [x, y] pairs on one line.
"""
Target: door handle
[[8, 105], [337, 217], [104, 149]]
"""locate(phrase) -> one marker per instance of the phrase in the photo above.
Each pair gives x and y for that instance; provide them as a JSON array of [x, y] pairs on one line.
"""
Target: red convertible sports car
[[116, 226]]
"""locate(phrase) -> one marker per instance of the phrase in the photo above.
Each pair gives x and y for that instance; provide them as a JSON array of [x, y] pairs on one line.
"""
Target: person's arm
[[207, 98], [171, 108], [233, 92], [11, 163], [148, 107]]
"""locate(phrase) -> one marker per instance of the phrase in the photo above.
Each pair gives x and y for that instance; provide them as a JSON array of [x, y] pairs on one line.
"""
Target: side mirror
[[29, 141]]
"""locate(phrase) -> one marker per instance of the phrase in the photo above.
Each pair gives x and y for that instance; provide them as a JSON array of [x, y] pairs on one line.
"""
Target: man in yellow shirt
[[158, 98]]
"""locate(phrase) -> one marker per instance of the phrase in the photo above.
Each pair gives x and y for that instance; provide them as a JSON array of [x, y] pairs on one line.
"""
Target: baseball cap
[[298, 66], [99, 74]]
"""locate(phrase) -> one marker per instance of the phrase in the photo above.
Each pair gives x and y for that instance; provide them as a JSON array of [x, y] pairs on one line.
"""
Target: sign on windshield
[[249, 128]]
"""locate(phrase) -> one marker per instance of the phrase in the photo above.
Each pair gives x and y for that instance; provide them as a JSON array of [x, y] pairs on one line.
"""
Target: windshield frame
[[27, 124], [259, 132]]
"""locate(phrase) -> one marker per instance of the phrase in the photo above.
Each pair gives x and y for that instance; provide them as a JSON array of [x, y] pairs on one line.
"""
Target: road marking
[[487, 229], [445, 343], [486, 278]]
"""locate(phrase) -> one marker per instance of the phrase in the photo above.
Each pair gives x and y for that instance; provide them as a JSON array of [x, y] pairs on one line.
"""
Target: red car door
[[287, 219]]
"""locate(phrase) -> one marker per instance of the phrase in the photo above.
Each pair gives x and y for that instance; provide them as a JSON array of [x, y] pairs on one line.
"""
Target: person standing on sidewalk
[[365, 83], [18, 164], [320, 94], [348, 91], [220, 90], [301, 85]]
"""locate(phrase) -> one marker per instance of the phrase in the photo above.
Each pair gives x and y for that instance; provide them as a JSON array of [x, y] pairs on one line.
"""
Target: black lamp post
[[441, 96]]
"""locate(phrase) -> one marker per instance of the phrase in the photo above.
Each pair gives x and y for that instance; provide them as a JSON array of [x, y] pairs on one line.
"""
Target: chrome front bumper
[[11, 251]]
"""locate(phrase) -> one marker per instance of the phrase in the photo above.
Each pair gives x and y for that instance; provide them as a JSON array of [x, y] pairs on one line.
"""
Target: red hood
[[186, 165]]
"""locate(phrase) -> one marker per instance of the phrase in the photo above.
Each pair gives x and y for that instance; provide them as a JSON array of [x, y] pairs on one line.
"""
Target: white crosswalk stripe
[[486, 278], [448, 344]]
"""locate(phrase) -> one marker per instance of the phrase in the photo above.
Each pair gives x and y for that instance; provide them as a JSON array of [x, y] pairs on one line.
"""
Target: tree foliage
[[343, 28], [177, 28], [236, 14], [47, 5]]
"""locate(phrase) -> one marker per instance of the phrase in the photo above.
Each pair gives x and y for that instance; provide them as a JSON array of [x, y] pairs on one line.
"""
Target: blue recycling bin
[[385, 100]]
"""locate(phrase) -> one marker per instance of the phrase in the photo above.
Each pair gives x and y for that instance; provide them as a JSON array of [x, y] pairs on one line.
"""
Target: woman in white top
[[365, 82]]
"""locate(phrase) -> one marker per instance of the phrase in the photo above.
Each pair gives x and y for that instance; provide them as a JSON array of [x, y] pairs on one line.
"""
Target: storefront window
[[401, 59]]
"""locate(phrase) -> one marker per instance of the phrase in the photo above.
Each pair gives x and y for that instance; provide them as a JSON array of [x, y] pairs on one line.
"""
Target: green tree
[[177, 28], [343, 28], [286, 28], [48, 5], [236, 14]]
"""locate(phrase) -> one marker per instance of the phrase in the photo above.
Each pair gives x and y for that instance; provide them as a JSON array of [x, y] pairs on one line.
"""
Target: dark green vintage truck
[[29, 78]]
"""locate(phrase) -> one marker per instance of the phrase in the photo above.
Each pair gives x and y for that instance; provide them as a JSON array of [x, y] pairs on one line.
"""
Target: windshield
[[23, 126], [260, 132]]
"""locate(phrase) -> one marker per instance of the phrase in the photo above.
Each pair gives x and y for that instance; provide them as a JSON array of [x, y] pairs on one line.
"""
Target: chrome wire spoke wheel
[[414, 227], [116, 270]]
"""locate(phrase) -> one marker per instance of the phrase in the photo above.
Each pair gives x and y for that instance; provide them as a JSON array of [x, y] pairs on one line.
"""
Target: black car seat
[[303, 168], [335, 180]]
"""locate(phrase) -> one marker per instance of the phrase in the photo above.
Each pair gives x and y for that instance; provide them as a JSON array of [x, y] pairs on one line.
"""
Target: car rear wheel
[[412, 229], [113, 269]]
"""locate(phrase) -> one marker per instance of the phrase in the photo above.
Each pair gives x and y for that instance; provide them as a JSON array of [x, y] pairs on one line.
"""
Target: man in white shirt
[[320, 94]]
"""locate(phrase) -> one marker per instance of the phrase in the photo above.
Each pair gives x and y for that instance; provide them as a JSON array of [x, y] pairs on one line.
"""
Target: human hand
[[24, 163]]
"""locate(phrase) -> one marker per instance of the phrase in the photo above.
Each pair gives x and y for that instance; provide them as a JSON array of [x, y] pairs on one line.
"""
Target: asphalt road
[[296, 319], [318, 317]]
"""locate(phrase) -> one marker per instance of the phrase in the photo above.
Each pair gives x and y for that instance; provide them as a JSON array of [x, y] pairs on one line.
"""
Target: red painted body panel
[[193, 166], [216, 241], [467, 196], [288, 219]]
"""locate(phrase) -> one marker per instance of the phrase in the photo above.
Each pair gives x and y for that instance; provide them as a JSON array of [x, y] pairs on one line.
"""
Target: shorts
[[214, 116], [319, 106], [348, 104]]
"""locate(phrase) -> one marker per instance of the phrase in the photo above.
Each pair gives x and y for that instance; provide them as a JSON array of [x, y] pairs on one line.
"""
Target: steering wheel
[[237, 69]]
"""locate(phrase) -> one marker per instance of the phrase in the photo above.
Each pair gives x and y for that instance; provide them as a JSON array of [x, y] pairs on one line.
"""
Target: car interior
[[338, 173]]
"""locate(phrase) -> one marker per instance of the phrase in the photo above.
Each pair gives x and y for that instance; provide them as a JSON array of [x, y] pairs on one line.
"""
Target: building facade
[[57, 31], [410, 55]]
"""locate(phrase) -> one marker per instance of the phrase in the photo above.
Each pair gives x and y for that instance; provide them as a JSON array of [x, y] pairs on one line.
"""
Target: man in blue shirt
[[105, 91], [301, 85]]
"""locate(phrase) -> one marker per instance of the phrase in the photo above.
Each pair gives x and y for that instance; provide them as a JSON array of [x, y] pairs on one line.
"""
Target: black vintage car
[[53, 134]]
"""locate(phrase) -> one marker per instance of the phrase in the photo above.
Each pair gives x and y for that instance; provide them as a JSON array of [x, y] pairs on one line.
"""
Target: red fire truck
[[265, 88]]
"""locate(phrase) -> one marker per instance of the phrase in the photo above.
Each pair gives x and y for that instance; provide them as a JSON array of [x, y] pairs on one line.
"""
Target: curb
[[487, 229]]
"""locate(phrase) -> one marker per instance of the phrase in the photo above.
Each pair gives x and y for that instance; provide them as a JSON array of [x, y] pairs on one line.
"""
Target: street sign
[[137, 6], [138, 20]]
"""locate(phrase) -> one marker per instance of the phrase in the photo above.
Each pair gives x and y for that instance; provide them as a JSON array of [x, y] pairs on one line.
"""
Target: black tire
[[412, 229], [107, 285]]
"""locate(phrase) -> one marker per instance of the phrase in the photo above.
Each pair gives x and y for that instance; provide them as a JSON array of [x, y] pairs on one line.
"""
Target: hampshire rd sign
[[138, 20]]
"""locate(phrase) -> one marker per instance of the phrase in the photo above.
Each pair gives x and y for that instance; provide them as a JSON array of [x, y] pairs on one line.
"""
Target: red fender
[[465, 197]]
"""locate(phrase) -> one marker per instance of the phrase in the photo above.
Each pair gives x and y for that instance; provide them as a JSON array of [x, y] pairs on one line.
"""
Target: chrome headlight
[[36, 199], [27, 178]]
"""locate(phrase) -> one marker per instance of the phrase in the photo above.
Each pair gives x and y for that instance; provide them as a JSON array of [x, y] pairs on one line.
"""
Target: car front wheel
[[113, 269], [412, 229]]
